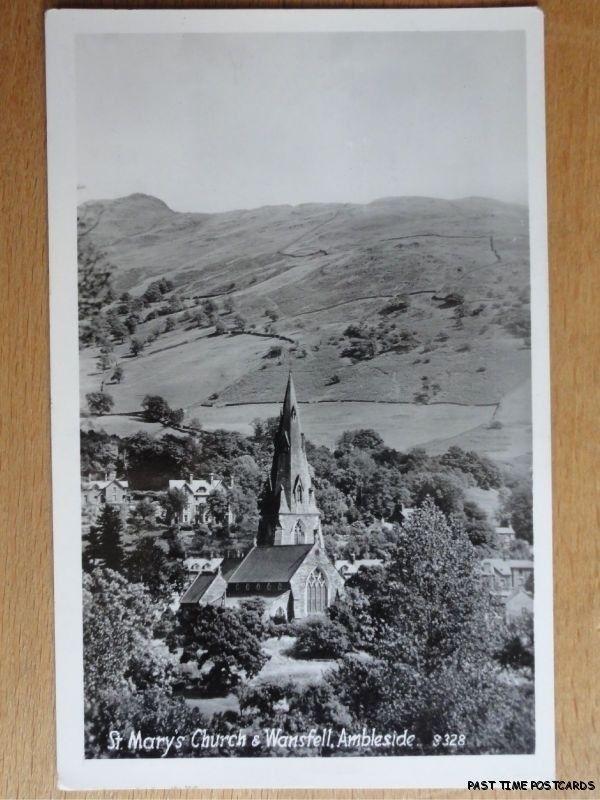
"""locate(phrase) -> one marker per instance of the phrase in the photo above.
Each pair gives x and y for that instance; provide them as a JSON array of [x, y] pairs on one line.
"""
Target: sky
[[215, 122]]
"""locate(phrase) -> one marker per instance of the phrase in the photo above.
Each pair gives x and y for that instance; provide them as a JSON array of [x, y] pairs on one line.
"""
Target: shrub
[[321, 638], [274, 352]]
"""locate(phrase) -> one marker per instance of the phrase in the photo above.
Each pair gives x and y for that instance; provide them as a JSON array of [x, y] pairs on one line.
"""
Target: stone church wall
[[335, 583]]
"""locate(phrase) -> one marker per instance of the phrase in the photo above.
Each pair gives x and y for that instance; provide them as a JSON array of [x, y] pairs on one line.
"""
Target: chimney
[[211, 477], [352, 557], [190, 477], [112, 475]]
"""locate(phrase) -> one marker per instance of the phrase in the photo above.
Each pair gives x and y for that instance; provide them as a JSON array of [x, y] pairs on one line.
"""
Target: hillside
[[401, 301]]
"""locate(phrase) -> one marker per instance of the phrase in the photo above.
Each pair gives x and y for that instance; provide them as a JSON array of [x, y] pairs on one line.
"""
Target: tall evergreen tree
[[110, 526]]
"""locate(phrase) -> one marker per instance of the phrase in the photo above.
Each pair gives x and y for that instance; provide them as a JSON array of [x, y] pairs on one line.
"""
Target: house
[[519, 602], [503, 575], [288, 567], [196, 565], [505, 578], [112, 491], [505, 536], [197, 491]]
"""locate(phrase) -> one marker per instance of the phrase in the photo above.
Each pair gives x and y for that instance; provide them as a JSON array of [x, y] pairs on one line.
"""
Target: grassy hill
[[403, 300]]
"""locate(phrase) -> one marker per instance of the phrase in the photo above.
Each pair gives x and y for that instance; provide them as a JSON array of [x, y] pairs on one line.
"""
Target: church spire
[[289, 511], [289, 400]]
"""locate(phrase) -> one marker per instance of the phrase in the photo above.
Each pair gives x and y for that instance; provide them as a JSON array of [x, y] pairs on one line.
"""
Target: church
[[288, 568]]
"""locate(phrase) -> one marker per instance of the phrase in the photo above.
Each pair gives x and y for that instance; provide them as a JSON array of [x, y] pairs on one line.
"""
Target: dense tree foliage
[[105, 545], [94, 278], [519, 507], [99, 403], [321, 638], [225, 640], [128, 680], [362, 487]]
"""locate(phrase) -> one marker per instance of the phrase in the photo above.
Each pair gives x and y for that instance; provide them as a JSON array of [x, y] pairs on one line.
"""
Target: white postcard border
[[75, 772]]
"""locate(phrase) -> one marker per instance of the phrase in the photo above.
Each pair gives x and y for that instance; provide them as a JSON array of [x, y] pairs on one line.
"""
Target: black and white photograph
[[300, 400]]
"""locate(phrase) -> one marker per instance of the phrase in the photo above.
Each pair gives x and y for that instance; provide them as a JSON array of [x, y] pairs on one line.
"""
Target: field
[[310, 288]]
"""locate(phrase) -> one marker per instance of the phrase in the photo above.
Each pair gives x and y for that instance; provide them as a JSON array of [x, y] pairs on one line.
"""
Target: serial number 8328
[[449, 740]]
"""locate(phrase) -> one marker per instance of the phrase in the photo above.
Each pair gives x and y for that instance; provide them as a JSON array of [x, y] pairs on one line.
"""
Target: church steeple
[[289, 514]]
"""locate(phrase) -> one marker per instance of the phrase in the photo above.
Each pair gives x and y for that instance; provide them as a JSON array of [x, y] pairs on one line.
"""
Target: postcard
[[300, 398]]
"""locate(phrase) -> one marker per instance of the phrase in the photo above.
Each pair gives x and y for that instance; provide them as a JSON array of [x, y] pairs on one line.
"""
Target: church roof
[[270, 564], [196, 591], [229, 565]]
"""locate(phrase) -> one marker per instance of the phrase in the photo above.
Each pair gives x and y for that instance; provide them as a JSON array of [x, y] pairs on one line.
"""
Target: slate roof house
[[197, 491], [506, 580], [95, 494], [288, 567]]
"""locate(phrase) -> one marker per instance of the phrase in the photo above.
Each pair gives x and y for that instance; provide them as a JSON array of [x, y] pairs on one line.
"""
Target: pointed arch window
[[299, 534], [294, 412], [316, 592], [299, 491]]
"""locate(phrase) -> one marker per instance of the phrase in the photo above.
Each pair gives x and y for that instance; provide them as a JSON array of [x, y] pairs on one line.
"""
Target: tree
[[105, 544], [169, 324], [433, 651], [149, 564], [94, 280], [444, 489], [239, 322], [153, 293], [220, 327], [195, 424], [486, 474], [118, 329], [142, 517], [217, 504], [321, 638], [155, 408], [104, 362], [118, 374], [92, 552], [517, 648], [399, 302], [228, 304], [136, 346], [476, 525], [131, 323], [126, 677], [175, 503], [209, 306], [166, 285], [519, 506], [175, 417], [99, 403], [223, 637]]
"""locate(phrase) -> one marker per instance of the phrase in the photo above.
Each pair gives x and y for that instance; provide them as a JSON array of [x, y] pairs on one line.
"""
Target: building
[[288, 567], [519, 602], [112, 491], [508, 583], [196, 564], [197, 491]]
